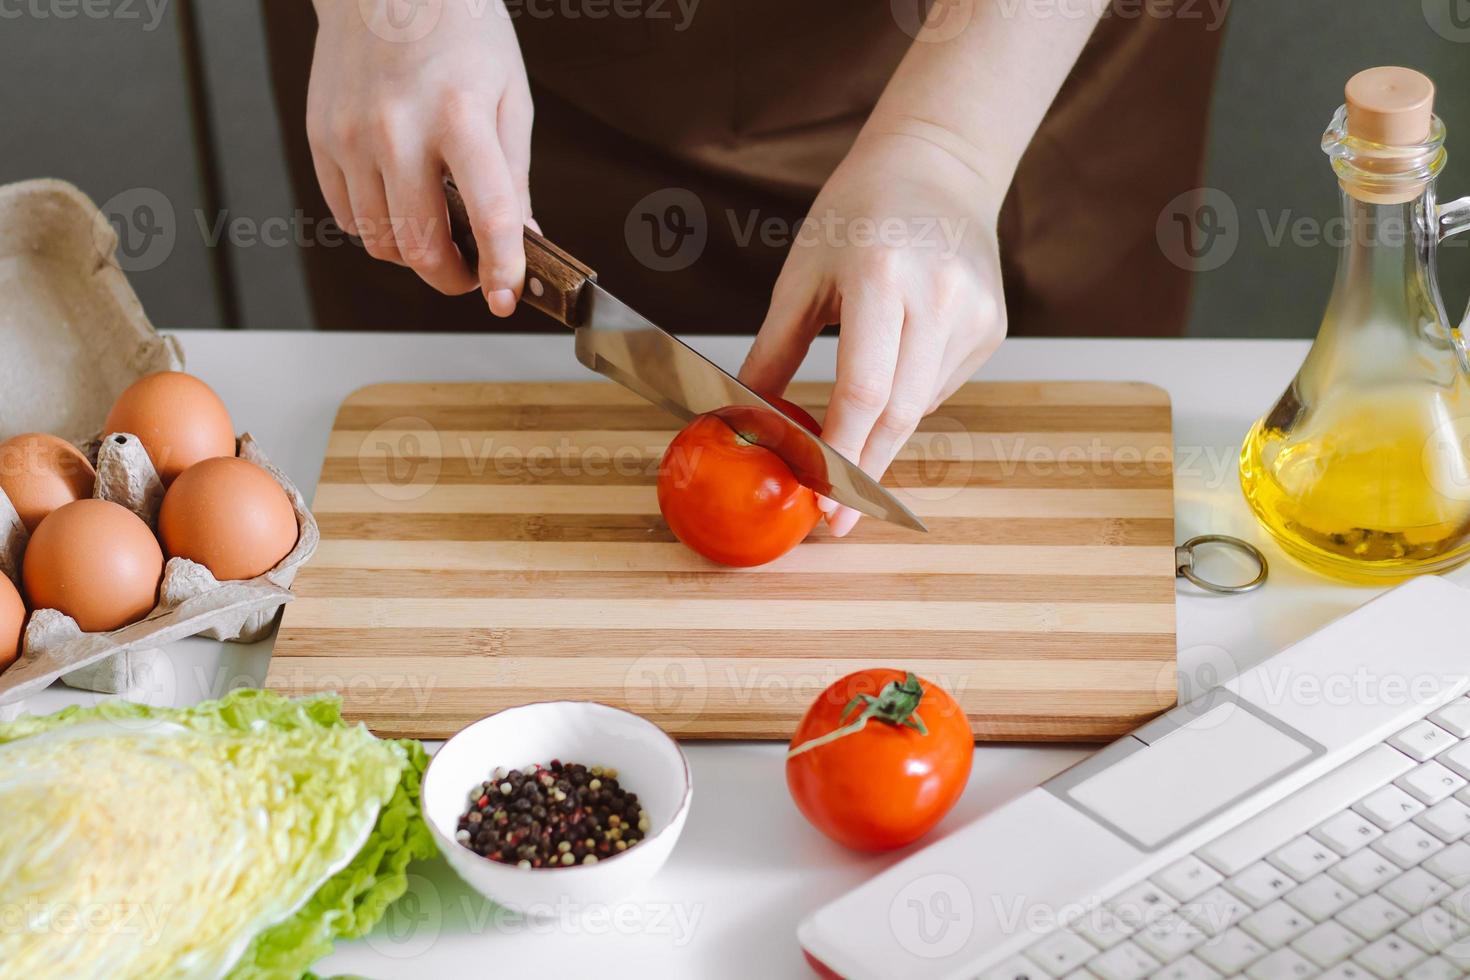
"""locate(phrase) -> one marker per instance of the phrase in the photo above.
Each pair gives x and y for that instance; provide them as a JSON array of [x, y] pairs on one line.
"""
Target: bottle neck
[[1385, 267], [1385, 321]]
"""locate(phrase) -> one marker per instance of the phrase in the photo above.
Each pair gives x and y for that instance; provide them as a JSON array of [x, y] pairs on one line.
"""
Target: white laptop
[[1310, 817]]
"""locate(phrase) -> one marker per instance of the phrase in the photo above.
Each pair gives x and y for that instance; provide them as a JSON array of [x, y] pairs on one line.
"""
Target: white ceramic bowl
[[649, 763]]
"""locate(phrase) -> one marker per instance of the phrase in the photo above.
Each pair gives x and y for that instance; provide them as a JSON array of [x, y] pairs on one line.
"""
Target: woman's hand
[[389, 115], [900, 249]]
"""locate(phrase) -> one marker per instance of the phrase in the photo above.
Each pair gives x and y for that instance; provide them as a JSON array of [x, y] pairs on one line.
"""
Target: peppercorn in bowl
[[556, 803]]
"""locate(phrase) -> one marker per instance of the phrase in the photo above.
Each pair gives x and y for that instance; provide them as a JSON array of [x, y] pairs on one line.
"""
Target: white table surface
[[748, 866]]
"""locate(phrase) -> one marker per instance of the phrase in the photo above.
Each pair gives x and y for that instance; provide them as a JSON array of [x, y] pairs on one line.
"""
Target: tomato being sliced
[[879, 758], [799, 414], [729, 497]]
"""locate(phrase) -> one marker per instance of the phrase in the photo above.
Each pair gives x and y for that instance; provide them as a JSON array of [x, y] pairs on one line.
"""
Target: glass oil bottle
[[1361, 470]]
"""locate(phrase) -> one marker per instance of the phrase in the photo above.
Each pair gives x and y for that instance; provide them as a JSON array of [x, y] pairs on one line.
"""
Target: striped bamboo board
[[485, 545]]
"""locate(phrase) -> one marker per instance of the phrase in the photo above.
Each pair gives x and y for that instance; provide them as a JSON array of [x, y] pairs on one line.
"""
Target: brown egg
[[95, 561], [230, 516], [12, 619], [40, 473], [178, 418]]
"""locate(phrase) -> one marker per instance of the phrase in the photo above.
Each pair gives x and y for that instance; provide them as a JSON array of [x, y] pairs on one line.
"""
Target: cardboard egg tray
[[72, 337]]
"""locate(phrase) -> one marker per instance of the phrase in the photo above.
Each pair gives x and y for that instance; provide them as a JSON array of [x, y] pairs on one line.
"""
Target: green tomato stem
[[897, 704]]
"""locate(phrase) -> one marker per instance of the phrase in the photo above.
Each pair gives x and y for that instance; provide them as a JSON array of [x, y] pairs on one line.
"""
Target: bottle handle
[[1453, 218]]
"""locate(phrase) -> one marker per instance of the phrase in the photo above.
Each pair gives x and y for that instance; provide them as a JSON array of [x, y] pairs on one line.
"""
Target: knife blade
[[614, 340]]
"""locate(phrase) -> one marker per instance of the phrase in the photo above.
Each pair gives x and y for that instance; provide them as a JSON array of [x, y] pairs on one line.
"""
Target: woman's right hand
[[390, 112]]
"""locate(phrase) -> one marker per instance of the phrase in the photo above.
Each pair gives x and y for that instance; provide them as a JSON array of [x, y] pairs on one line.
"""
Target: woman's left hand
[[900, 249]]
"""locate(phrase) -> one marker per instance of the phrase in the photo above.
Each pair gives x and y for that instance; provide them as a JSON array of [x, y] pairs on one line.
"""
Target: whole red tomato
[[730, 498], [879, 758]]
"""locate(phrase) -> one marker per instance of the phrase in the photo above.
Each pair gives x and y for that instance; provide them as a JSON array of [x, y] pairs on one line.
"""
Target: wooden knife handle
[[554, 277]]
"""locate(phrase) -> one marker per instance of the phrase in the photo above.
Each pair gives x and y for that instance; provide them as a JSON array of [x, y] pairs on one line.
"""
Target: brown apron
[[676, 154]]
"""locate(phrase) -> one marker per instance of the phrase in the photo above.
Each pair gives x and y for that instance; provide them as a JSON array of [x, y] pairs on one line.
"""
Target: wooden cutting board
[[486, 545]]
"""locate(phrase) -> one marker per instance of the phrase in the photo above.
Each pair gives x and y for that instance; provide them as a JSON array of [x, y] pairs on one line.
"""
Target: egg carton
[[191, 602], [72, 337]]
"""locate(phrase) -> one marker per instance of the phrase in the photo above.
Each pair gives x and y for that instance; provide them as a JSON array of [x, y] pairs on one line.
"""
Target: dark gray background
[[110, 103], [1281, 77]]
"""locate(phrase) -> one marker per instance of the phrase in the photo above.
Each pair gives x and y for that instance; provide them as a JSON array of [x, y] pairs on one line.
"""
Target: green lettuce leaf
[[295, 830], [355, 899]]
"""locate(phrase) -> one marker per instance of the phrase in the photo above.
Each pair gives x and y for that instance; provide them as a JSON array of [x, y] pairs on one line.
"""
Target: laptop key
[[1215, 911], [1187, 968], [1061, 951], [1451, 863], [1142, 904], [1372, 917], [1015, 968], [1347, 832], [1188, 878], [1099, 926], [1169, 937], [1430, 782], [1328, 943], [1304, 857], [1277, 924], [1365, 871], [1415, 890], [1457, 759], [1434, 968], [1284, 964], [1321, 898], [1454, 717], [1388, 807], [1260, 884], [1457, 903], [1125, 961], [1422, 740], [1346, 971], [1448, 820], [1408, 845], [1434, 930], [1231, 951], [1389, 957]]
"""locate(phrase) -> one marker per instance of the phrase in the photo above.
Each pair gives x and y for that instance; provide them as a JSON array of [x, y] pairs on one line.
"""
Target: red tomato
[[731, 499], [895, 774], [799, 414]]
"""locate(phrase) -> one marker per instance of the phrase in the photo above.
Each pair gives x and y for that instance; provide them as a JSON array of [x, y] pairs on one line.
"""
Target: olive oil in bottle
[[1362, 469]]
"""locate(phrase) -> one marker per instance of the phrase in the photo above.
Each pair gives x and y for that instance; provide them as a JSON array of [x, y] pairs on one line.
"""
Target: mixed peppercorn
[[552, 816]]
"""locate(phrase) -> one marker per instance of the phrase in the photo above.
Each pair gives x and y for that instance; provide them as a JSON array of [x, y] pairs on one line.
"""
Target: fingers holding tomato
[[729, 497], [879, 758]]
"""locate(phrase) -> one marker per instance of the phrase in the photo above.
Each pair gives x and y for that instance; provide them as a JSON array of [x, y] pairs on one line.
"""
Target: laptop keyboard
[[1364, 873]]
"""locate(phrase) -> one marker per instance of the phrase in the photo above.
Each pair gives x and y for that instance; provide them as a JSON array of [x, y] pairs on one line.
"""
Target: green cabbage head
[[237, 838]]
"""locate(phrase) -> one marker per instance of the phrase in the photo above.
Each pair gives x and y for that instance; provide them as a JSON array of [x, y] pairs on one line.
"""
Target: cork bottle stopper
[[1393, 106]]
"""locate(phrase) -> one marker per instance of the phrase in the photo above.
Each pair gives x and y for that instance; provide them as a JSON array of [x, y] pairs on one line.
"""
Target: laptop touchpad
[[1188, 775]]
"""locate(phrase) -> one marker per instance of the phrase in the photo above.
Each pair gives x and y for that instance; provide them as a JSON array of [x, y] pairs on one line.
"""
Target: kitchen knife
[[616, 341]]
